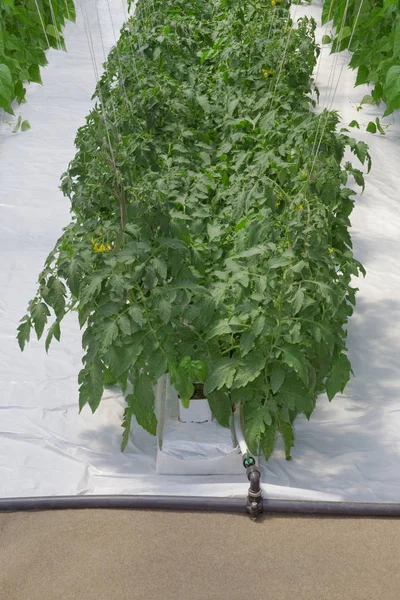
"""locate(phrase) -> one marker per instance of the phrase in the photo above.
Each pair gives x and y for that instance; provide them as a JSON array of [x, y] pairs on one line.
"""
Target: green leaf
[[25, 125], [286, 431], [124, 358], [55, 296], [74, 275], [298, 301], [276, 263], [54, 331], [204, 103], [6, 84], [368, 99], [125, 325], [157, 364], [392, 86], [232, 105], [222, 373], [118, 284], [142, 403], [34, 74], [326, 39], [249, 369], [198, 370], [92, 289], [161, 267], [257, 417], [295, 395], [214, 231], [294, 358], [92, 386], [221, 407], [361, 151], [379, 126], [24, 332], [109, 334], [338, 376], [354, 124], [259, 324], [371, 127], [268, 440], [220, 328], [126, 424], [164, 310], [51, 30], [277, 377], [39, 314], [17, 125], [136, 315], [246, 342]]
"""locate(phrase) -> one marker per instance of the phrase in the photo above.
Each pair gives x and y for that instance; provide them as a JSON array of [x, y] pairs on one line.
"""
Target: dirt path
[[107, 555]]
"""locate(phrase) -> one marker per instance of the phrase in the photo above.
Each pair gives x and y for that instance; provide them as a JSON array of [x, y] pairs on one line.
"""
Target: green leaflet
[[277, 377], [338, 376], [286, 431], [6, 85], [268, 440], [249, 369], [24, 332], [393, 88], [141, 406], [296, 396], [221, 406], [221, 374], [257, 417], [55, 296], [91, 384], [294, 358], [54, 331], [39, 314]]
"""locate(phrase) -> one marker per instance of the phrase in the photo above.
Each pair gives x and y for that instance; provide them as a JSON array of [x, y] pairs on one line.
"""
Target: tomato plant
[[371, 30], [209, 237], [27, 29]]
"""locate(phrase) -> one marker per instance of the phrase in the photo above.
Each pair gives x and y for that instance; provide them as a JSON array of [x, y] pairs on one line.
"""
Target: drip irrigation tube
[[205, 504]]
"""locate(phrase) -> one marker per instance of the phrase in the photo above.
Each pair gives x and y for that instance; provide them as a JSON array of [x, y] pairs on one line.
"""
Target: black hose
[[206, 504], [311, 507]]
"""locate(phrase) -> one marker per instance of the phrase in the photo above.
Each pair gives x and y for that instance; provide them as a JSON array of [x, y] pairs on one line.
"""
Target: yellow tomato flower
[[277, 204], [267, 73], [280, 196], [300, 207], [330, 250], [273, 2], [101, 247]]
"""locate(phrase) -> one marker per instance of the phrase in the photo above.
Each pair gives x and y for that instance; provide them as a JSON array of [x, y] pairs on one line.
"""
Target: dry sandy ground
[[121, 555]]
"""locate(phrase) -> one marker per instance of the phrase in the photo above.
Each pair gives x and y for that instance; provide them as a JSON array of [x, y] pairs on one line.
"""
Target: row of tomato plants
[[370, 29], [27, 29], [209, 235]]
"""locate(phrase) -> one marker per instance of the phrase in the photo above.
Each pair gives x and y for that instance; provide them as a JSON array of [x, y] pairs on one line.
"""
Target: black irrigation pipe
[[205, 504]]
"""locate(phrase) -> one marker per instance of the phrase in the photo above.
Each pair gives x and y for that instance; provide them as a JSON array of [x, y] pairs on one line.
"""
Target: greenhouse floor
[[100, 555]]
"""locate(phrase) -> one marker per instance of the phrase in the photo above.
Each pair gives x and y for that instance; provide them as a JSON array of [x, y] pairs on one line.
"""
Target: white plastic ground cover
[[349, 450]]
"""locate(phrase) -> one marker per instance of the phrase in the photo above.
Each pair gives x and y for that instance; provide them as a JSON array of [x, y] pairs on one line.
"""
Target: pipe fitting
[[254, 505]]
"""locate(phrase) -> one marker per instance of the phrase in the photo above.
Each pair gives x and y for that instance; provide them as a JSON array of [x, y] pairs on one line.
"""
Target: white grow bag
[[190, 448]]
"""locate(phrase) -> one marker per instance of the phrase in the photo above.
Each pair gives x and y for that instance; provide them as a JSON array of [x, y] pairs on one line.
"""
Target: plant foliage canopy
[[209, 238]]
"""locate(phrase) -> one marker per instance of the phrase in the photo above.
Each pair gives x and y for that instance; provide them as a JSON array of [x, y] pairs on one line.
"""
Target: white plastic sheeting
[[349, 450]]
